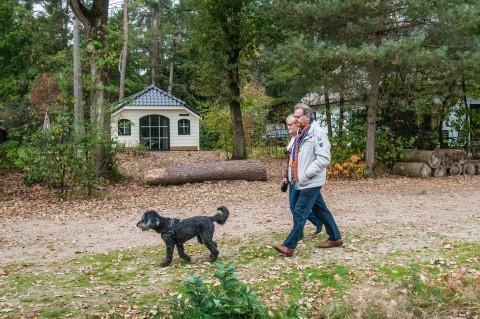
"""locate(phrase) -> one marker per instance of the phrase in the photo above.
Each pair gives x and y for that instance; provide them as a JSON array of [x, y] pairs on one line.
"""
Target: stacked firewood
[[437, 163]]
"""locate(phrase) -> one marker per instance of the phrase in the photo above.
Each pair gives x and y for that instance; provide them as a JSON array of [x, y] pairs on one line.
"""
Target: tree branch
[[81, 12]]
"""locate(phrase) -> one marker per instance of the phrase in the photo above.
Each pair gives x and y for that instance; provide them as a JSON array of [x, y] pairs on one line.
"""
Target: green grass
[[132, 281], [465, 254], [55, 312]]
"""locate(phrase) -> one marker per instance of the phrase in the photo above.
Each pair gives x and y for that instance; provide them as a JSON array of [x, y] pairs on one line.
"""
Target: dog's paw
[[165, 263], [186, 258]]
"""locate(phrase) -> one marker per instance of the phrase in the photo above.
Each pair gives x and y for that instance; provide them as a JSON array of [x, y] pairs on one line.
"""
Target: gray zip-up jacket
[[313, 158]]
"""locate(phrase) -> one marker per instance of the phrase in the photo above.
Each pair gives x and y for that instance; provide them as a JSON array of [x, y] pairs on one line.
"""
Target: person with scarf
[[287, 178], [310, 157]]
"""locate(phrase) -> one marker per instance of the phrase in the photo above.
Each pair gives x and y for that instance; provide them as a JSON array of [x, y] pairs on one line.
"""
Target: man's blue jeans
[[310, 200], [292, 198]]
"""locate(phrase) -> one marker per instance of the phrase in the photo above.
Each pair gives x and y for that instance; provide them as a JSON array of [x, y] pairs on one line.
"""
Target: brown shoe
[[331, 243], [284, 250]]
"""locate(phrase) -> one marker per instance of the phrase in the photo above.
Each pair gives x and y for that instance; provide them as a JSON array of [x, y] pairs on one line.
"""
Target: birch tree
[[79, 112]]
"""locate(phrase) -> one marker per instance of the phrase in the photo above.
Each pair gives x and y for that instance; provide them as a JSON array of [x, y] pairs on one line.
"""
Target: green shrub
[[216, 129], [388, 147], [8, 153], [48, 157], [139, 150], [353, 141], [61, 161], [229, 298]]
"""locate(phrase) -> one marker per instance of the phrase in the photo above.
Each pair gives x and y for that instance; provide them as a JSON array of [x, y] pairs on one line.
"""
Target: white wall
[[134, 115]]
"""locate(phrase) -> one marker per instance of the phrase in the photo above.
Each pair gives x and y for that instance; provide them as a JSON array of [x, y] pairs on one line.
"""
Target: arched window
[[155, 132], [124, 128], [184, 127]]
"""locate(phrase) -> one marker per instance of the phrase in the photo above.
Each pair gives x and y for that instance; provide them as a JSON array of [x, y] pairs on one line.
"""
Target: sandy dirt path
[[396, 213]]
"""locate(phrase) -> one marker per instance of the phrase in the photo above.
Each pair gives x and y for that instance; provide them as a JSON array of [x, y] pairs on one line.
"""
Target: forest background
[[381, 75]]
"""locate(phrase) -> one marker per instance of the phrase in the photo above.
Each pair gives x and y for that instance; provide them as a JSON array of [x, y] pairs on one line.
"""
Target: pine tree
[[222, 37]]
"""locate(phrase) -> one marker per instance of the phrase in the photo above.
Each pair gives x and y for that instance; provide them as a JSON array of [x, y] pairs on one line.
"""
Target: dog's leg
[[169, 250], [212, 246], [200, 239], [169, 256], [182, 254]]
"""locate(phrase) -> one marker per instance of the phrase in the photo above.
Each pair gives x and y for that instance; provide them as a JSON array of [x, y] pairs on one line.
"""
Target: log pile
[[412, 169], [437, 163]]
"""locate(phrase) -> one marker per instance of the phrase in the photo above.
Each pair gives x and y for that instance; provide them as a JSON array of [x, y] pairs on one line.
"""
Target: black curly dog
[[175, 231]]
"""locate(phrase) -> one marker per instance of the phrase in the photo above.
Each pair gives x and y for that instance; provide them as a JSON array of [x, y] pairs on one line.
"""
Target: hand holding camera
[[284, 185]]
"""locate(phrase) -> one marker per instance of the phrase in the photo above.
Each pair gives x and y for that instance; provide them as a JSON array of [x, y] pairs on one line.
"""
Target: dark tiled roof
[[152, 96]]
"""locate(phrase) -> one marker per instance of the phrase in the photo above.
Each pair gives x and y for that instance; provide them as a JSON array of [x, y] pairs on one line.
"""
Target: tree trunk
[[467, 114], [441, 114], [78, 110], [123, 67], [65, 20], [341, 116], [475, 163], [372, 109], [328, 112], [239, 150], [433, 159], [439, 172], [98, 111], [412, 169], [170, 78], [172, 58], [469, 169], [199, 172], [455, 169], [154, 50], [95, 20], [449, 156]]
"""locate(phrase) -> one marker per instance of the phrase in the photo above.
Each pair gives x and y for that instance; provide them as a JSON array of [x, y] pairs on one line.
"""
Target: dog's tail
[[221, 217]]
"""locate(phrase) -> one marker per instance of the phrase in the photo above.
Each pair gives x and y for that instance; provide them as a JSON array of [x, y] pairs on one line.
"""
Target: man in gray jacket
[[310, 157]]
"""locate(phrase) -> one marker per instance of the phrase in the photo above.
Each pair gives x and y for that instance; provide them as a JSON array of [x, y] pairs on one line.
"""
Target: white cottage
[[158, 120]]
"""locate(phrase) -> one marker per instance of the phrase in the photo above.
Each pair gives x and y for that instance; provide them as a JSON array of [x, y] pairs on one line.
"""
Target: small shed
[[158, 120]]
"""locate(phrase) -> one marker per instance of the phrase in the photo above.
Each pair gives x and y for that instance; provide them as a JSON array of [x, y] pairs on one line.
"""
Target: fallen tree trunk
[[455, 169], [431, 158], [412, 169], [475, 163], [469, 168], [200, 172], [450, 156], [439, 172]]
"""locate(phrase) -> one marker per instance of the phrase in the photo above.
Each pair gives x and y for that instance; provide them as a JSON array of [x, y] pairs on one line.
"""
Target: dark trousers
[[292, 198], [310, 200]]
